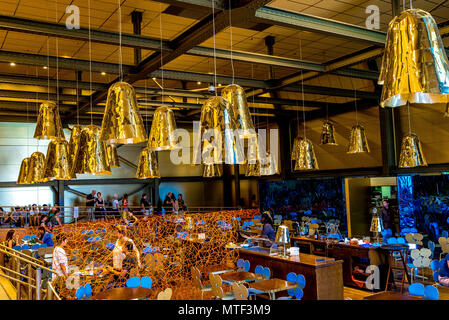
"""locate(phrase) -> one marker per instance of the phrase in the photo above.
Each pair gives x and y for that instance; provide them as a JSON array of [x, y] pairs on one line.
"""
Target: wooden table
[[272, 286], [216, 269], [324, 280], [240, 276], [391, 295], [123, 293], [350, 254]]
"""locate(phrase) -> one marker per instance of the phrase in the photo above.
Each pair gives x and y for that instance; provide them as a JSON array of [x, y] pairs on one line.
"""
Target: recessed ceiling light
[[154, 78], [198, 82], [103, 73], [219, 84], [12, 64], [45, 67]]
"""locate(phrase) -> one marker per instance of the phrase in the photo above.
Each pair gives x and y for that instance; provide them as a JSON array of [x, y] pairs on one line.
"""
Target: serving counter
[[324, 276]]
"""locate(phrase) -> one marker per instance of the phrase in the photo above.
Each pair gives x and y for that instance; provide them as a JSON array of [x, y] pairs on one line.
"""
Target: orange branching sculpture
[[169, 246]]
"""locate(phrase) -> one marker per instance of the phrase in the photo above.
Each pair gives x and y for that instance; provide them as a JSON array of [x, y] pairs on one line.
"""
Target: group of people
[[97, 208], [32, 216]]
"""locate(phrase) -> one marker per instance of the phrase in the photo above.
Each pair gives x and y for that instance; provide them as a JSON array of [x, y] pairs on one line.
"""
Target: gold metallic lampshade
[[304, 154], [113, 158], [74, 145], [269, 166], [357, 141], [148, 167], [212, 170], [376, 224], [411, 152], [36, 170], [217, 117], [253, 165], [236, 96], [162, 134], [253, 169], [92, 156], [48, 124], [328, 134], [415, 68], [122, 122], [282, 234], [57, 161], [23, 173]]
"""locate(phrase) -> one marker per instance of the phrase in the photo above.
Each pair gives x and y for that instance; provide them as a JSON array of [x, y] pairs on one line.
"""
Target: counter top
[[308, 260], [339, 244]]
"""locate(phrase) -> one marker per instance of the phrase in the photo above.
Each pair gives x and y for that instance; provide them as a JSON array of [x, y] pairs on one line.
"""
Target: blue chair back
[[240, 263], [416, 289], [431, 293], [80, 293], [435, 265], [298, 293], [33, 236], [246, 265], [17, 248], [133, 282], [392, 240], [301, 281], [291, 276], [400, 240], [88, 290], [258, 270], [35, 246], [146, 282], [445, 233], [435, 276], [266, 273]]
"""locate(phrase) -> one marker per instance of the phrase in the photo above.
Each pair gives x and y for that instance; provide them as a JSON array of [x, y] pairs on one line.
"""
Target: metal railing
[[25, 271]]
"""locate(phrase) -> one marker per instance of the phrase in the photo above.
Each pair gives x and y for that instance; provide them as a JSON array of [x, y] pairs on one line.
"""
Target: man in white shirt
[[60, 262]]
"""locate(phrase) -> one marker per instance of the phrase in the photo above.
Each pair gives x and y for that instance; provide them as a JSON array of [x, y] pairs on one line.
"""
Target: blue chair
[[258, 270], [416, 289], [392, 240], [35, 246], [246, 266], [240, 263], [44, 245], [292, 277], [80, 293], [301, 281], [17, 248], [296, 293], [33, 236], [146, 282], [445, 233], [400, 240], [431, 293], [88, 290], [266, 272], [133, 282]]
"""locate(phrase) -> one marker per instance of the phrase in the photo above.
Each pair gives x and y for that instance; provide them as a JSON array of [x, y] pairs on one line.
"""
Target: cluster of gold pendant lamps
[[415, 70], [228, 117]]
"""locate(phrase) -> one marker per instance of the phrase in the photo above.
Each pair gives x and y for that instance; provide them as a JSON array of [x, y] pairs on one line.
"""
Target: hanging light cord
[[77, 102], [161, 54], [215, 55], [57, 60], [302, 92], [409, 119], [355, 105], [120, 59], [90, 68], [230, 33]]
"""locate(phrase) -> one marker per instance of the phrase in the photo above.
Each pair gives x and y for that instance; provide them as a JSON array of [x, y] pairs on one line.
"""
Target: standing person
[[115, 205], [99, 206], [118, 253], [167, 200], [385, 214], [181, 203], [125, 202], [60, 262], [145, 204], [268, 229], [90, 203]]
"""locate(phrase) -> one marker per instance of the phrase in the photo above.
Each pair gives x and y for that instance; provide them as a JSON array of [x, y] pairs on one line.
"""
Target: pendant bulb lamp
[[148, 167], [162, 134], [57, 161], [48, 124], [23, 173]]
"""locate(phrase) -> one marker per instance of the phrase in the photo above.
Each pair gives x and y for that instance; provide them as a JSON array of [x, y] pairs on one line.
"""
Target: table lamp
[[283, 236]]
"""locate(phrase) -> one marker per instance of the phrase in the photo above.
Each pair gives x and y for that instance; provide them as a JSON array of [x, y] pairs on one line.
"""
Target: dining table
[[123, 293], [391, 295], [271, 286], [240, 277]]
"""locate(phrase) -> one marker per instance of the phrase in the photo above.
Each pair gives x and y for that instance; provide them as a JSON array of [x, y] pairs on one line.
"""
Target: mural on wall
[[323, 199], [431, 204], [405, 202]]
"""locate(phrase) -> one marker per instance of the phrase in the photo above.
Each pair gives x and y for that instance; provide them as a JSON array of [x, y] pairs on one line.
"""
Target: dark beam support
[[237, 184], [227, 186], [136, 17], [60, 193]]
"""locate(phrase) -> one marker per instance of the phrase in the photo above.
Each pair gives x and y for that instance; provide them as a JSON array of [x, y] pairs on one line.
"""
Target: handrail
[[53, 290], [27, 261], [18, 273], [18, 280], [17, 251]]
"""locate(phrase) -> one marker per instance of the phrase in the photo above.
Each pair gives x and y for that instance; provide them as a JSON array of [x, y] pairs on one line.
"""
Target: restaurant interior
[[224, 150]]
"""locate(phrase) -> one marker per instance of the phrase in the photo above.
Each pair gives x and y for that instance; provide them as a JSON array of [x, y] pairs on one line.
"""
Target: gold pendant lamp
[[415, 67], [36, 169], [74, 144], [113, 158], [162, 134], [357, 140], [217, 117], [253, 164], [411, 152], [92, 156], [48, 125], [328, 134], [269, 166], [304, 154], [23, 173], [57, 161], [236, 96], [122, 122], [148, 167], [212, 171]]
